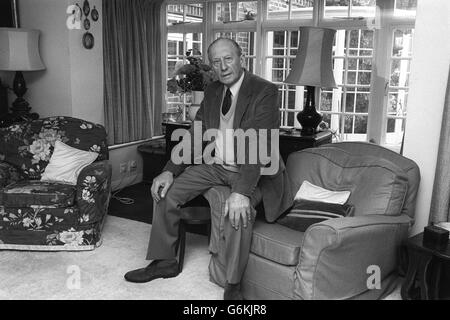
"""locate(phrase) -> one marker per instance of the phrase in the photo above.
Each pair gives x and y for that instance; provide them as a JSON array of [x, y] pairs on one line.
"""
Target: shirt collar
[[235, 87]]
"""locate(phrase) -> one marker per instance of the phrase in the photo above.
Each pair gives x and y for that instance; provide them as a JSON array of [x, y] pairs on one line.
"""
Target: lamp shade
[[313, 64], [19, 50]]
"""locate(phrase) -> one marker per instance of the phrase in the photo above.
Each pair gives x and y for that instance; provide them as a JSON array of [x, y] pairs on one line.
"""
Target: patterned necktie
[[226, 104]]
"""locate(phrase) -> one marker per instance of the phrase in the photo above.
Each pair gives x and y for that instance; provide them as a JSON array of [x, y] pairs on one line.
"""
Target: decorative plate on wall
[[88, 40], [86, 8], [94, 14], [86, 24]]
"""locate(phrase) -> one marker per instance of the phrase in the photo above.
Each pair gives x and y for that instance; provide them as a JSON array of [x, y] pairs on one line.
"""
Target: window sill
[[132, 143]]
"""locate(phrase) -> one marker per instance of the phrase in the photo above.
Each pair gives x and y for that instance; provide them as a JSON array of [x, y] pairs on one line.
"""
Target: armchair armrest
[[336, 254], [94, 191], [8, 174]]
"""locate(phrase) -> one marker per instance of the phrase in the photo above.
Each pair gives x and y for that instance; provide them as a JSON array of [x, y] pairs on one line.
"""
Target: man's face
[[226, 62]]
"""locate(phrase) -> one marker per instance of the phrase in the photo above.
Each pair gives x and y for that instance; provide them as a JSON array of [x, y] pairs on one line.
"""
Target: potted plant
[[192, 77]]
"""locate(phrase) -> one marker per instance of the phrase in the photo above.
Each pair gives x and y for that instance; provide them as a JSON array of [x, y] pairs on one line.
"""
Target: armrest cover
[[336, 254], [94, 191], [8, 174]]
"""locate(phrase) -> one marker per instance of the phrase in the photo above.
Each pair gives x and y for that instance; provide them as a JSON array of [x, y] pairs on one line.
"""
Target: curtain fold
[[440, 201], [132, 69]]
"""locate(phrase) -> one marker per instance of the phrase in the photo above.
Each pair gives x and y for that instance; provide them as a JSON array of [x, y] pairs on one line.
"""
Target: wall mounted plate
[[86, 24], [88, 40], [86, 8], [94, 14]]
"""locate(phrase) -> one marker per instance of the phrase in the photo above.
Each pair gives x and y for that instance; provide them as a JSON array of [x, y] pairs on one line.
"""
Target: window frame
[[382, 24]]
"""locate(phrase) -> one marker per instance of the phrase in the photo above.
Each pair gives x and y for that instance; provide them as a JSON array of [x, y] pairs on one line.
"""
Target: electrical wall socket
[[132, 165], [123, 167]]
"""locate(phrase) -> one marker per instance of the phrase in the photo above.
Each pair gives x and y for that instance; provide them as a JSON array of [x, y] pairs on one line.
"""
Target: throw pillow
[[311, 192], [66, 163], [305, 213], [313, 204]]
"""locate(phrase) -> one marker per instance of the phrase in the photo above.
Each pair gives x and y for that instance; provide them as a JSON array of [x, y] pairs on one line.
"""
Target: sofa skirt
[[68, 238]]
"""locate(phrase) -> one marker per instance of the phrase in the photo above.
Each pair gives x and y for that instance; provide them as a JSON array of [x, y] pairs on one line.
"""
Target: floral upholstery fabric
[[8, 174], [74, 238], [38, 215], [28, 146], [31, 193], [39, 218]]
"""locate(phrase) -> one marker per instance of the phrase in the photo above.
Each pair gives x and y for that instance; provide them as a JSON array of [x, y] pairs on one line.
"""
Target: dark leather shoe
[[232, 292], [156, 269]]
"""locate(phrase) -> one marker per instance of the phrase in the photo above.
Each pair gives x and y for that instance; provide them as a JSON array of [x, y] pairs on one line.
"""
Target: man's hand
[[163, 182], [238, 206]]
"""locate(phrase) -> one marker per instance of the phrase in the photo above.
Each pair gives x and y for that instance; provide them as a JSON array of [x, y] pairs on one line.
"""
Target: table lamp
[[312, 68], [19, 51]]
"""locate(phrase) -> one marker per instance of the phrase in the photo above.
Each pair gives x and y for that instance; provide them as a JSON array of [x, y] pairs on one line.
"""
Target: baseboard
[[126, 181]]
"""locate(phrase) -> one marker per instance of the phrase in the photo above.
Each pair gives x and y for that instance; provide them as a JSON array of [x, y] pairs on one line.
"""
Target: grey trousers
[[196, 180]]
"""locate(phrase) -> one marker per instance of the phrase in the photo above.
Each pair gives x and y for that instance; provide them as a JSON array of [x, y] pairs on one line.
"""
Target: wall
[[49, 91], [429, 71], [123, 155], [87, 70], [72, 84]]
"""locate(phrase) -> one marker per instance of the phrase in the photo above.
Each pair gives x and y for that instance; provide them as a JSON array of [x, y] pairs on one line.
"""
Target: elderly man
[[238, 100]]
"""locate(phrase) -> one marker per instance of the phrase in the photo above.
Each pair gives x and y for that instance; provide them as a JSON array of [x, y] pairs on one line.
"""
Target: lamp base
[[20, 110], [20, 106], [309, 118]]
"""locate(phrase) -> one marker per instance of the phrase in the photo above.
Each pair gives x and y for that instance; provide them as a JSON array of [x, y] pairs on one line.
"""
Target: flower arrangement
[[194, 76]]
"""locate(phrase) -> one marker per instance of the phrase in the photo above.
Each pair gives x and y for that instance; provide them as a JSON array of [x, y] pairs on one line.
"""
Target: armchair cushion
[[26, 193], [66, 163]]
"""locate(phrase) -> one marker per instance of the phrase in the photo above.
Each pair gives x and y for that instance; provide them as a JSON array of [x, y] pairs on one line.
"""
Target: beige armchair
[[333, 259]]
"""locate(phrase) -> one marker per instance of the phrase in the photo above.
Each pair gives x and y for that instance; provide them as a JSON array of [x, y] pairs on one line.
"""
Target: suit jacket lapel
[[242, 101]]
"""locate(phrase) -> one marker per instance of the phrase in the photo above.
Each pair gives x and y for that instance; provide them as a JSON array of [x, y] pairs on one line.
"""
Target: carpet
[[50, 275], [53, 275], [141, 206]]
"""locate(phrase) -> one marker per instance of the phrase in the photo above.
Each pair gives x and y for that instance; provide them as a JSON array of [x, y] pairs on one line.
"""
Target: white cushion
[[66, 163], [311, 192]]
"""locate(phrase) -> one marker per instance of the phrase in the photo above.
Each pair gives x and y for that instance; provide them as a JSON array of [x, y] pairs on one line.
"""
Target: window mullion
[[318, 12], [208, 33], [376, 127], [164, 60], [260, 38]]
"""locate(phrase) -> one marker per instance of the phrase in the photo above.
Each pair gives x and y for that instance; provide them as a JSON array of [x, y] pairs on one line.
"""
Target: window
[[346, 108], [400, 62], [363, 107]]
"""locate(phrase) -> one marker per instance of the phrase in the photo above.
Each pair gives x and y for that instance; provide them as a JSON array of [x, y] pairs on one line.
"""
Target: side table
[[154, 157], [425, 266], [293, 140]]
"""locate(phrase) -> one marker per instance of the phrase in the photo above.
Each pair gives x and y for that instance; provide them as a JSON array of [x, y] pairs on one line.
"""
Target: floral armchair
[[38, 215]]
